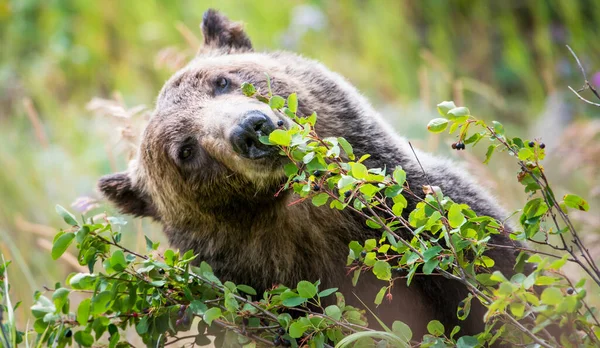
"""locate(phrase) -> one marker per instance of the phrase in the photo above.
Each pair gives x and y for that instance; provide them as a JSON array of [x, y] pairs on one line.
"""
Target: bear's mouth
[[245, 136]]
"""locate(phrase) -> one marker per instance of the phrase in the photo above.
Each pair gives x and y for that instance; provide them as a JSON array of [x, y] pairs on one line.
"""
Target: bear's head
[[200, 154]]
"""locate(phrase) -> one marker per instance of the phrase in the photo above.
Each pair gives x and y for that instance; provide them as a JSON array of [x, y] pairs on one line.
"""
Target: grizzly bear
[[203, 174]]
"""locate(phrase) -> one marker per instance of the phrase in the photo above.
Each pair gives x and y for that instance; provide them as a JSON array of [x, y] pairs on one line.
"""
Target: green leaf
[[347, 147], [402, 330], [68, 217], [525, 154], [198, 307], [467, 342], [117, 261], [292, 102], [334, 312], [142, 327], [100, 301], [373, 224], [380, 294], [83, 338], [248, 89], [498, 128], [551, 296], [399, 175], [61, 244], [489, 153], [276, 102], [437, 125], [297, 329], [60, 297], [430, 265], [576, 202], [327, 292], [517, 309], [306, 289], [455, 216], [435, 328], [459, 114], [445, 106], [212, 314], [359, 171], [535, 208], [247, 289], [345, 180], [320, 199], [83, 312], [382, 270], [294, 301], [432, 252], [149, 244], [280, 137]]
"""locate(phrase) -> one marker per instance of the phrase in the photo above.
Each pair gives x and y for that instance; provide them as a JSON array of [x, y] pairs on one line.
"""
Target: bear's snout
[[245, 136]]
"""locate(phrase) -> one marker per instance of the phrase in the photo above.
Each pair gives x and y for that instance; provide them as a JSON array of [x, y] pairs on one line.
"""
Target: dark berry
[[363, 253], [570, 291], [460, 146], [277, 342], [316, 187], [531, 144], [453, 146], [281, 331], [318, 173], [296, 180], [185, 320], [161, 271], [461, 313], [461, 304], [347, 194], [542, 146], [285, 343], [280, 123], [68, 333]]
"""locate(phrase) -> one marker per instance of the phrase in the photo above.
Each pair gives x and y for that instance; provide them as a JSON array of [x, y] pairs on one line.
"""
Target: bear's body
[[215, 193]]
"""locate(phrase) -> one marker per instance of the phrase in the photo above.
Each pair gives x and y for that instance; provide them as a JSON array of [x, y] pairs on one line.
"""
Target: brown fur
[[222, 205]]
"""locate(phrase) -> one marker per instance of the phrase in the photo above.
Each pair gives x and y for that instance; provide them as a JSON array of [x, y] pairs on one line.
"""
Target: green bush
[[162, 296]]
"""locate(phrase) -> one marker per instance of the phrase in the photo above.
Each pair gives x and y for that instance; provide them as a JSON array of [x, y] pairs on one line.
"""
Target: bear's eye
[[186, 152], [222, 83]]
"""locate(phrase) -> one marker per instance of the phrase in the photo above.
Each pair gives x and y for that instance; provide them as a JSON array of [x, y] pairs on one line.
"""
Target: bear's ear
[[221, 33], [118, 188]]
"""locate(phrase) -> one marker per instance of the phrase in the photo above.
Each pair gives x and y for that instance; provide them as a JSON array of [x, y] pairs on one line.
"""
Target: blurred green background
[[506, 60]]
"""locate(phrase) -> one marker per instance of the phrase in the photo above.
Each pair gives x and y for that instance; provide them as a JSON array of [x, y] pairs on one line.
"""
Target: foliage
[[164, 295], [10, 336], [56, 54]]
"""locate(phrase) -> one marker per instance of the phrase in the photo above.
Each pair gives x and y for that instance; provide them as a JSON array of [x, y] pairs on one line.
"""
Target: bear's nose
[[245, 136]]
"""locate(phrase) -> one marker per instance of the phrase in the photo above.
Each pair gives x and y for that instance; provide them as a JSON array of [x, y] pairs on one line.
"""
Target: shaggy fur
[[222, 205]]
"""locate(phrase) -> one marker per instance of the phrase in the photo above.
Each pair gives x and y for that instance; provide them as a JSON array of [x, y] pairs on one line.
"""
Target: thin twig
[[586, 82]]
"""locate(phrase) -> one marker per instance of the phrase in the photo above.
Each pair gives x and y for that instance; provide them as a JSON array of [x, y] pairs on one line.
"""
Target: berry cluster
[[279, 340], [532, 144], [183, 320], [458, 146]]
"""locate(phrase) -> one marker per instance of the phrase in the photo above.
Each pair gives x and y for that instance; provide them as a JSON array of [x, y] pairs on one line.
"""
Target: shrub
[[164, 295]]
